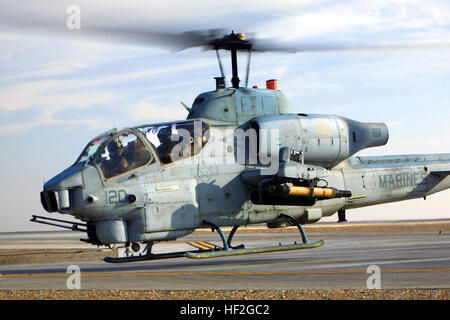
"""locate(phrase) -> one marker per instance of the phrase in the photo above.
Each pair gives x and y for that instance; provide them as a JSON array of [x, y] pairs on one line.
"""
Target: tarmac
[[357, 257]]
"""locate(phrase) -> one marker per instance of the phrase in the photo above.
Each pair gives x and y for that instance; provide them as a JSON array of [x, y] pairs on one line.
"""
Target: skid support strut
[[230, 237], [214, 227], [293, 221], [226, 245]]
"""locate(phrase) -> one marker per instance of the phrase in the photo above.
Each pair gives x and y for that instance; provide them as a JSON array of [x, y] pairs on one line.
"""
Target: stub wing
[[294, 184]]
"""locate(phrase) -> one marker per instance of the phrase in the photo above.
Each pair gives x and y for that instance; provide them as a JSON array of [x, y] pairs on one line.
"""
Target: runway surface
[[346, 261]]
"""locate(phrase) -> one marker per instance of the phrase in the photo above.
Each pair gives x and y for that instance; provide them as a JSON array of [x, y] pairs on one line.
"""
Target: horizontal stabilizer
[[440, 173]]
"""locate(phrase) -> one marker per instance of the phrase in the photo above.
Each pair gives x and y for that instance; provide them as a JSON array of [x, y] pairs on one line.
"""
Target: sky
[[58, 90]]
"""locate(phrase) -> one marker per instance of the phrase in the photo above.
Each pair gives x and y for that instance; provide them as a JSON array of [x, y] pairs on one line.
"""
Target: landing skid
[[226, 250]]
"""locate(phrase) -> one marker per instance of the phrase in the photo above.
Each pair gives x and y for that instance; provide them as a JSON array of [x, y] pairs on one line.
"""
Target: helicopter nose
[[59, 191]]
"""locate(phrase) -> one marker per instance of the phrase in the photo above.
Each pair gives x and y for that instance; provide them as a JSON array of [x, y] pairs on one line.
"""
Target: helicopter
[[242, 156]]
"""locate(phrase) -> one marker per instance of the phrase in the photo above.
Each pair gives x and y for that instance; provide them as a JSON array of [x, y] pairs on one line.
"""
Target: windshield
[[176, 141], [91, 148], [122, 154]]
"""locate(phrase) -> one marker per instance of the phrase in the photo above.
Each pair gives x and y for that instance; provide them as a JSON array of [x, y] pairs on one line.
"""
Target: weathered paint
[[173, 200]]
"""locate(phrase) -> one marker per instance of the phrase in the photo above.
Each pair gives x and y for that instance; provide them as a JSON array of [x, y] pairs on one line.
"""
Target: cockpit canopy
[[176, 141], [116, 153], [123, 153]]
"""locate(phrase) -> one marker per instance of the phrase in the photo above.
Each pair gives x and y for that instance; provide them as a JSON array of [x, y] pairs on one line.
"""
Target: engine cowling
[[324, 140]]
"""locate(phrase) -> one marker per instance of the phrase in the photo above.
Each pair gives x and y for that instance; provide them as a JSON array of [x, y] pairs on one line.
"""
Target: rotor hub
[[232, 41]]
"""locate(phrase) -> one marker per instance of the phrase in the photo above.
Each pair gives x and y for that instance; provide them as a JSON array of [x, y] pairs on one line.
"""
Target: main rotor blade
[[170, 40], [207, 39], [269, 45], [123, 34]]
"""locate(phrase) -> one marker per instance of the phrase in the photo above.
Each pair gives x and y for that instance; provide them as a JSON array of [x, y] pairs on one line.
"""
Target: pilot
[[116, 164], [165, 148], [137, 154]]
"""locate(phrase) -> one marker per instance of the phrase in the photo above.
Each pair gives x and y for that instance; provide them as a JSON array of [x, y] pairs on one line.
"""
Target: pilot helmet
[[164, 133], [116, 147]]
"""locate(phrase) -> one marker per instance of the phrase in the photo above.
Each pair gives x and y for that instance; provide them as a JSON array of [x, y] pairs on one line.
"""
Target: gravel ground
[[388, 294]]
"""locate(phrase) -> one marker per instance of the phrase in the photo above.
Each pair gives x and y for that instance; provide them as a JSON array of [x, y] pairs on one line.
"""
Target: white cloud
[[49, 96], [148, 112], [58, 84], [176, 15], [48, 120], [45, 100], [349, 19]]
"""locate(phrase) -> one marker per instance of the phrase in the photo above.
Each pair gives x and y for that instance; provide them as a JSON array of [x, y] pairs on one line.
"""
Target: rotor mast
[[235, 79], [232, 42]]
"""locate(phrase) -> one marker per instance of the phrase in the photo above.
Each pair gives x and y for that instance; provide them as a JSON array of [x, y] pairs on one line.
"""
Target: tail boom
[[383, 179]]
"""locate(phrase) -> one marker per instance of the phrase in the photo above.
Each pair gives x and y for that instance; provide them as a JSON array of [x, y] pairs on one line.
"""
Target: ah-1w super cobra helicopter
[[242, 157]]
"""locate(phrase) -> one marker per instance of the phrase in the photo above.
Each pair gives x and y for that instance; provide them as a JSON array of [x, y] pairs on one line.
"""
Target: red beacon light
[[272, 84]]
